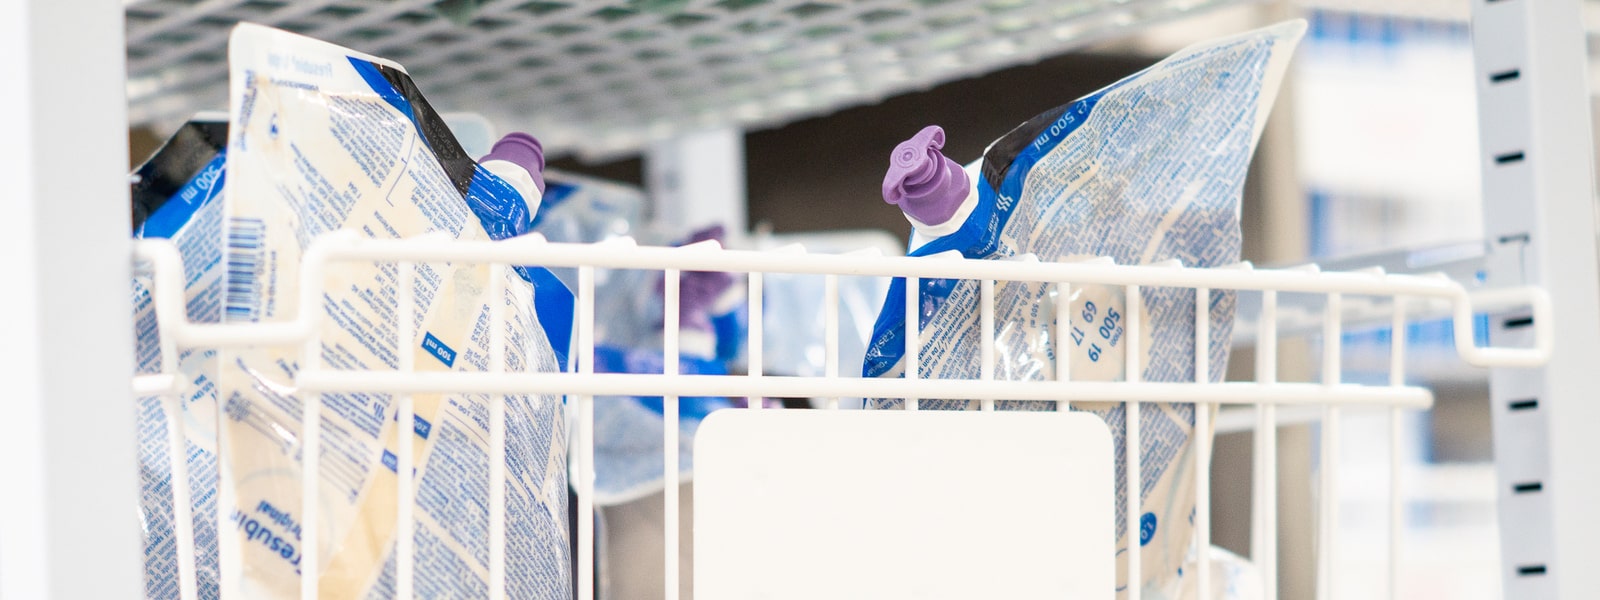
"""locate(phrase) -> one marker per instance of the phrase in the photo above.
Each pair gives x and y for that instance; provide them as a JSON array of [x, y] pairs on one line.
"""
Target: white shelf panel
[[604, 77]]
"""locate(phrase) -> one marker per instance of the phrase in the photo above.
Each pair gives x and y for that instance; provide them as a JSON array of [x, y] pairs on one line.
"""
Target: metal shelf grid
[[605, 77]]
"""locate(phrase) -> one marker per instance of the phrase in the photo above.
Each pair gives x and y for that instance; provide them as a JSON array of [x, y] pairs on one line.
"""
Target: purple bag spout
[[925, 184]]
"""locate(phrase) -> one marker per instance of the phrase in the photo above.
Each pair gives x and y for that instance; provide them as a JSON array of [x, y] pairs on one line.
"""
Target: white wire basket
[[1403, 294]]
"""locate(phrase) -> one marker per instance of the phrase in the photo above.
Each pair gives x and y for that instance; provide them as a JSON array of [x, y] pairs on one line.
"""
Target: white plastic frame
[[583, 385]]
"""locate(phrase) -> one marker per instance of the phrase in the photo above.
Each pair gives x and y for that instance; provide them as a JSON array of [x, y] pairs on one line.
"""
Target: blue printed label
[[1147, 528], [439, 350], [179, 210], [419, 425]]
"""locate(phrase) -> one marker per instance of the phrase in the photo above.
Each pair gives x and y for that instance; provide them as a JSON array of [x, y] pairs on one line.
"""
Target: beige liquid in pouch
[[326, 139]]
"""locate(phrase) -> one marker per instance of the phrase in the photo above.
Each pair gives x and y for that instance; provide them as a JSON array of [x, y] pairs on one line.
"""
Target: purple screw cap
[[922, 182], [698, 291], [523, 150]]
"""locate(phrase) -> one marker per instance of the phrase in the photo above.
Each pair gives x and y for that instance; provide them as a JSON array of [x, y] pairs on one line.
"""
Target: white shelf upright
[[67, 454], [696, 179], [1539, 216]]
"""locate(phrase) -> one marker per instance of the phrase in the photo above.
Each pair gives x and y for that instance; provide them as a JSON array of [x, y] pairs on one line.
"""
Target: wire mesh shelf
[[603, 77]]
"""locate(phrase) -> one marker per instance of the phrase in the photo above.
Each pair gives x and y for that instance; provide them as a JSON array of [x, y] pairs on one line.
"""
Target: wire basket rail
[[1403, 293]]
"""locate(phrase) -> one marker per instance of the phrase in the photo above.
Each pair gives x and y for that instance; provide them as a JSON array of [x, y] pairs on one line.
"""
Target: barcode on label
[[245, 250]]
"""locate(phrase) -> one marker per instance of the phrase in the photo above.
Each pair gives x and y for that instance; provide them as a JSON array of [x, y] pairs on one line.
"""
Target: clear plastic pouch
[[1146, 170]]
